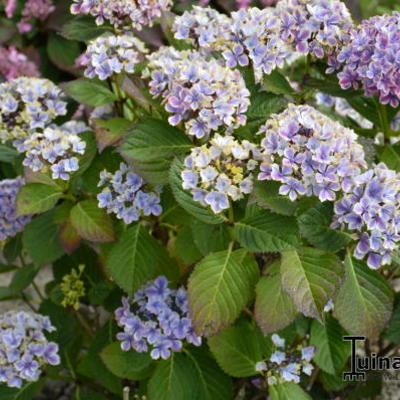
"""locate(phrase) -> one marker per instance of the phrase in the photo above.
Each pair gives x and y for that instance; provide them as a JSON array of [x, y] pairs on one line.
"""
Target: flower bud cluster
[[309, 153], [198, 91], [24, 349], [220, 170], [371, 207], [10, 223], [286, 365], [127, 195], [73, 288], [26, 105], [56, 147], [156, 320], [371, 60], [108, 55], [137, 13]]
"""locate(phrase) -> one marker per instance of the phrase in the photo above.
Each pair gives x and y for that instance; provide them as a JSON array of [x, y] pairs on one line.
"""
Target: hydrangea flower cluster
[[198, 91], [157, 319], [371, 207], [56, 148], [14, 64], [26, 105], [286, 366], [270, 36], [309, 153], [343, 108], [220, 170], [137, 13], [10, 223], [371, 59], [127, 195], [35, 10], [24, 349], [108, 55]]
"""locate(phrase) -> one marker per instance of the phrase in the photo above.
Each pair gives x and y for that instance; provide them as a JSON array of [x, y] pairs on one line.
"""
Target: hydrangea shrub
[[211, 191]]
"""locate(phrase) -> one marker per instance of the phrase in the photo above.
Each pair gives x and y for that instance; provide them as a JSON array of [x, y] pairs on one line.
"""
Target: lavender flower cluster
[[108, 55], [14, 64], [270, 36], [10, 223], [309, 153], [56, 148], [371, 60], [198, 91], [24, 349], [26, 105], [157, 319], [127, 195], [286, 366], [35, 10], [137, 13], [220, 170], [371, 207]]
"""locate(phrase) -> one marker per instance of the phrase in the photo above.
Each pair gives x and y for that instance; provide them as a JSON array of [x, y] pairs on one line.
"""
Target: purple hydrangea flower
[[10, 223], [309, 153], [156, 320], [371, 207], [219, 171], [127, 195], [22, 339], [370, 59]]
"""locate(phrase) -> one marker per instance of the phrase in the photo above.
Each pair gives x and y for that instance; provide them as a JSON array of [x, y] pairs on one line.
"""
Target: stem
[[84, 324], [58, 377], [384, 120], [126, 393], [313, 378]]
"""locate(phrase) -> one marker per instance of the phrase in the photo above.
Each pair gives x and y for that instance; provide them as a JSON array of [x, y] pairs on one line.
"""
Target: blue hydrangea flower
[[370, 59], [309, 153], [112, 54], [198, 91], [219, 171], [127, 195], [286, 364], [10, 223], [55, 148], [156, 320], [24, 349], [121, 13], [28, 105], [370, 207]]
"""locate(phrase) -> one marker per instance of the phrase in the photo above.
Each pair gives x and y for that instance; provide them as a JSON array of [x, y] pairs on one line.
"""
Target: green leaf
[[173, 379], [391, 156], [22, 278], [311, 277], [210, 238], [268, 232], [275, 82], [90, 92], [185, 198], [7, 154], [186, 247], [40, 239], [364, 302], [92, 223], [238, 349], [213, 383], [274, 309], [83, 28], [27, 392], [267, 195], [219, 287], [62, 52], [392, 331], [332, 351], [136, 258], [13, 248], [126, 364], [315, 224], [110, 132], [153, 139], [287, 391], [35, 198]]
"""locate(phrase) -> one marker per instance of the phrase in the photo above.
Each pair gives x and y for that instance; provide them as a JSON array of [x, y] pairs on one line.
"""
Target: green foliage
[[90, 92], [36, 198], [219, 287]]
